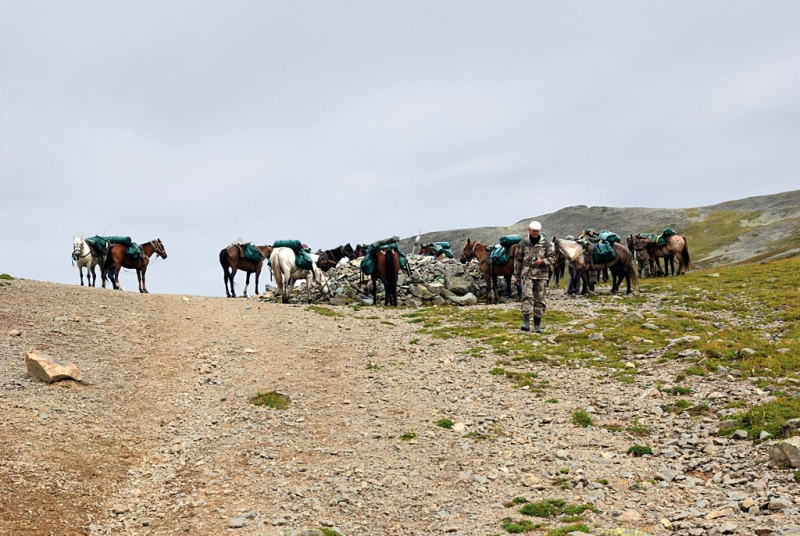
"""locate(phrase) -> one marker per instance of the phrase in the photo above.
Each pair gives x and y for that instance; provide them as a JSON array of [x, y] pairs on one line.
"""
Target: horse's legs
[[93, 279], [117, 268], [258, 272], [233, 286], [308, 285], [508, 286], [80, 271], [225, 276], [246, 283]]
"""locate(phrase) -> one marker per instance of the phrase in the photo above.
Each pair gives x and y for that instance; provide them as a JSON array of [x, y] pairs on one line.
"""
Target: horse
[[387, 269], [476, 250], [86, 257], [330, 258], [286, 273], [676, 246], [558, 269], [580, 257], [232, 259], [427, 249], [118, 258]]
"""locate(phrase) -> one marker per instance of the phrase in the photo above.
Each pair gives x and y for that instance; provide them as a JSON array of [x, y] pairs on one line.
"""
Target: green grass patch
[[520, 526], [636, 429], [581, 418], [552, 401], [6, 277], [766, 417], [328, 532], [554, 507], [371, 365], [640, 450], [515, 501], [563, 531], [677, 390], [271, 399], [478, 436], [413, 341], [696, 370], [324, 311], [408, 436], [444, 423]]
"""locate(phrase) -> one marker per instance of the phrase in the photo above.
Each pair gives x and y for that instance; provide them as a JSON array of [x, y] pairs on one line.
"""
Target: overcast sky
[[202, 122]]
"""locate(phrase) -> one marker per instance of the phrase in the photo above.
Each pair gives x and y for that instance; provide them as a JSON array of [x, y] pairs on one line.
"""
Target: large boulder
[[790, 428], [786, 453], [458, 284], [49, 369]]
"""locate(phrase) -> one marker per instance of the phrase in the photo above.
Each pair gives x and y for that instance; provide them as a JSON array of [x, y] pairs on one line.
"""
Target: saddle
[[250, 252], [601, 252], [302, 259]]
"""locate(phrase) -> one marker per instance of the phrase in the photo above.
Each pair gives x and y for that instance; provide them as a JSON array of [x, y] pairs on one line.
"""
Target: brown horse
[[676, 247], [476, 250], [580, 258], [232, 259], [118, 258], [387, 269]]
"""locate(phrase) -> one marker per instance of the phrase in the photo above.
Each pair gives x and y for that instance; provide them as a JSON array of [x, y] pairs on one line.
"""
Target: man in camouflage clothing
[[531, 261]]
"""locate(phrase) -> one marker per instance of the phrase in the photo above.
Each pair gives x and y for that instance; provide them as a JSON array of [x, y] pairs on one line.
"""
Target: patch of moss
[[444, 423], [324, 311], [408, 436], [581, 418], [271, 399], [640, 450]]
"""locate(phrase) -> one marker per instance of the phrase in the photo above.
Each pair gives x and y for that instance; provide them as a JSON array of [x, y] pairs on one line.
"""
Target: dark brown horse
[[232, 259], [387, 269], [331, 257], [476, 250], [118, 258]]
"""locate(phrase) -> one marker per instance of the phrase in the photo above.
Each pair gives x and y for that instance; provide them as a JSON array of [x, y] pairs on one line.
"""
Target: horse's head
[[469, 251], [77, 244], [425, 249], [158, 247], [348, 252], [630, 243], [571, 249]]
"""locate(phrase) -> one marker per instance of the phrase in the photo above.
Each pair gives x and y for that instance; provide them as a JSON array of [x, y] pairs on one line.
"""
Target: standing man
[[534, 255]]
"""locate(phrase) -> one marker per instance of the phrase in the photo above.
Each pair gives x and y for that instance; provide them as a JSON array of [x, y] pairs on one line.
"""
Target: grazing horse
[[286, 273], [232, 260], [331, 257], [86, 257], [580, 258], [476, 250], [387, 269], [118, 258]]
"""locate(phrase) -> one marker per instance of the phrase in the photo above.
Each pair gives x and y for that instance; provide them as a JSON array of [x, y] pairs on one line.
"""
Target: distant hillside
[[745, 230]]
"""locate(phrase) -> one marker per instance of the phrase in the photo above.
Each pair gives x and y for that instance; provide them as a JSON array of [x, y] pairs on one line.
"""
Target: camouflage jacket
[[527, 252]]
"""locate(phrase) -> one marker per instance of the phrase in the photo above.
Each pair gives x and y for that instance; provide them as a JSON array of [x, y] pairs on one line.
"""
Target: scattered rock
[[648, 325], [48, 369], [236, 522], [786, 453], [14, 333], [790, 428], [739, 434]]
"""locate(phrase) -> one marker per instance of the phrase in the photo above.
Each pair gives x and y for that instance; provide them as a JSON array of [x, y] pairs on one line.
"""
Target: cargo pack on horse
[[387, 270], [247, 257], [286, 272], [129, 255], [88, 253], [440, 250], [331, 257], [476, 250], [581, 257], [673, 246]]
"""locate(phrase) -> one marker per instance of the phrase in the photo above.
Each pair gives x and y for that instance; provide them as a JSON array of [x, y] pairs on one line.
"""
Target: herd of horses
[[575, 254]]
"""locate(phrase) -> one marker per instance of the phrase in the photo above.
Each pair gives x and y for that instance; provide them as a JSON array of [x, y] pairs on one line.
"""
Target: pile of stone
[[432, 282]]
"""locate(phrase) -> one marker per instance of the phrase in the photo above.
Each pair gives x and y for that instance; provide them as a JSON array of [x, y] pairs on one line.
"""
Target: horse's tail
[[224, 260], [685, 252], [391, 274]]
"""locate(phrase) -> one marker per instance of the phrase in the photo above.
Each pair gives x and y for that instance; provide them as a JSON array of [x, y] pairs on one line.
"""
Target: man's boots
[[526, 322], [537, 324]]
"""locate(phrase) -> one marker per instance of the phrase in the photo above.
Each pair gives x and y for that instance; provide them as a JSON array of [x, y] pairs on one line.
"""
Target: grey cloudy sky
[[200, 122]]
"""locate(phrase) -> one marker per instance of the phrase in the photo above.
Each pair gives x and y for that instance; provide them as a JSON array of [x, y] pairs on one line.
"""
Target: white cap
[[535, 226]]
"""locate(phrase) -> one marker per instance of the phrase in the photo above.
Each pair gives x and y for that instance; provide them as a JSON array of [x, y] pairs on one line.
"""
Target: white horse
[[85, 257], [286, 273]]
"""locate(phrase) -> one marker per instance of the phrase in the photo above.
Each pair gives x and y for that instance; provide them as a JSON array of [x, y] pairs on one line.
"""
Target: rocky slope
[[756, 228], [161, 438]]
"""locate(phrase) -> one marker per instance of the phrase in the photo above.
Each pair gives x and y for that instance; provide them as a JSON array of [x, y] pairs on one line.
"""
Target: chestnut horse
[[476, 250], [387, 269], [118, 258], [232, 259]]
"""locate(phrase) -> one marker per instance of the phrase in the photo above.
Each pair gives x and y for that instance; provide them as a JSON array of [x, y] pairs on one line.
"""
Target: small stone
[[689, 353], [562, 454], [633, 315], [278, 522], [629, 516], [648, 325], [747, 503], [786, 453], [779, 503], [739, 434], [790, 428], [459, 427], [764, 435], [530, 481], [728, 527], [119, 509], [14, 333], [666, 523], [596, 337], [236, 522]]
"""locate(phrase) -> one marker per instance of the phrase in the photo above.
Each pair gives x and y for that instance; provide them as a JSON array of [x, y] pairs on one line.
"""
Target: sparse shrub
[[408, 436], [696, 370], [413, 341], [272, 399], [563, 531], [515, 501], [551, 401], [554, 507], [371, 365], [518, 527], [6, 277], [581, 418]]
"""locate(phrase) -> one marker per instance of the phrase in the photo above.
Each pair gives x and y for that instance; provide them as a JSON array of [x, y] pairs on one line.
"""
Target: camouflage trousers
[[534, 297]]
